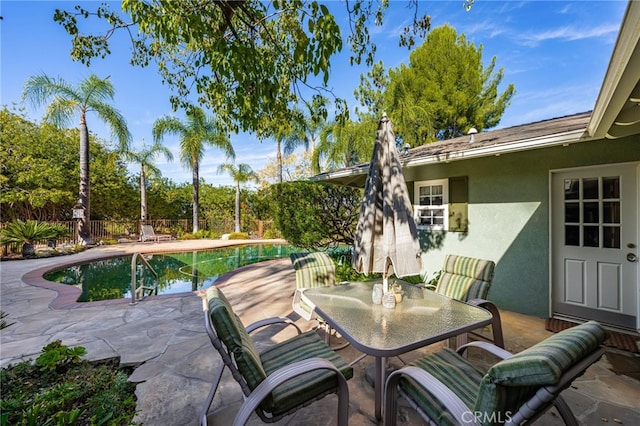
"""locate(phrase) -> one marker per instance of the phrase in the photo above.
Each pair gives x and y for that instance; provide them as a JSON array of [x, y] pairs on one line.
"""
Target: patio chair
[[313, 270], [280, 379], [446, 389], [469, 280], [148, 234]]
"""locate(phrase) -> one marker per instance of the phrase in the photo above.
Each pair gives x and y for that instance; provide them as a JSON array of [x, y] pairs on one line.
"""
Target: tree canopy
[[243, 60], [38, 175], [445, 90]]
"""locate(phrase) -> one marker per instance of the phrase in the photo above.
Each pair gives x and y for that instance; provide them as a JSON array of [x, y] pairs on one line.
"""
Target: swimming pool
[[179, 272]]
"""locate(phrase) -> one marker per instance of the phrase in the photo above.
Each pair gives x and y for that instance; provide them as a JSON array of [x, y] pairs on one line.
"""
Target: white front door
[[594, 214]]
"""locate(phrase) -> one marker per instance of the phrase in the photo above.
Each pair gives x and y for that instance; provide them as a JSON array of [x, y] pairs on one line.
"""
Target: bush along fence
[[120, 231]]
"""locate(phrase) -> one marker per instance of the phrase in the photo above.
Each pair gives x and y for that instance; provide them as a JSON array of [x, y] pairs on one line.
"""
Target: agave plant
[[27, 233]]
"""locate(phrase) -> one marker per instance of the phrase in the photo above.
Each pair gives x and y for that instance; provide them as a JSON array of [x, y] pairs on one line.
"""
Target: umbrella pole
[[385, 283]]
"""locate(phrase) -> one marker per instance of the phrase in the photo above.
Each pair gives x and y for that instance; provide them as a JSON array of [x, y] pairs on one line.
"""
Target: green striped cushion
[[514, 380], [453, 370], [307, 386], [255, 367], [231, 331], [313, 269], [544, 363], [465, 278]]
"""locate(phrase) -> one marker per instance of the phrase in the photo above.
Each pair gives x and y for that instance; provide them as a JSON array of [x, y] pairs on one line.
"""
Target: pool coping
[[67, 295]]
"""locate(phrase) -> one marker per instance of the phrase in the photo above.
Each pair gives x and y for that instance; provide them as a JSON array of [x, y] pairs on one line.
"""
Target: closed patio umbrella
[[386, 238]]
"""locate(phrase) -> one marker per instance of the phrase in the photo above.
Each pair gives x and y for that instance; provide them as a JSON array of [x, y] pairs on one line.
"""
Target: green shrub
[[238, 236], [202, 233], [61, 389], [56, 355], [341, 256], [27, 233], [187, 236], [312, 215], [271, 233]]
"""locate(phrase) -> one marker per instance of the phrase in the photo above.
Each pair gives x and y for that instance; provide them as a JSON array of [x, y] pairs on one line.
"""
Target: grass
[[60, 388]]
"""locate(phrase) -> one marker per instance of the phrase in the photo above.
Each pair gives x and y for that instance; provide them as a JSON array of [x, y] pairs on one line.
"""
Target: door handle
[[631, 257]]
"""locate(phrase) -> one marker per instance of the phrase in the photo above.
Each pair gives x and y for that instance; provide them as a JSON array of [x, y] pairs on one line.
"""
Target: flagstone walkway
[[164, 338]]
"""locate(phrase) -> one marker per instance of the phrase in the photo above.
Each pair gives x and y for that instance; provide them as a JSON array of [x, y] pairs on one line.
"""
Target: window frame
[[417, 208]]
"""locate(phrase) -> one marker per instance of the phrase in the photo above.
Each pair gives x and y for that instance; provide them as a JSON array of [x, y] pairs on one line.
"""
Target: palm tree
[[64, 102], [194, 133], [344, 144], [240, 174], [306, 128], [283, 133], [145, 158]]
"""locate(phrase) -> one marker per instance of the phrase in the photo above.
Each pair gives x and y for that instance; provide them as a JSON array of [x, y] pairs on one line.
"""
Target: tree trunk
[[196, 195], [84, 228], [238, 207], [143, 196], [279, 159]]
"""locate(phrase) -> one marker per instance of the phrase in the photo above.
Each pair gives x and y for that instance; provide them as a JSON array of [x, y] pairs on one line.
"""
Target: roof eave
[[621, 78], [353, 176], [564, 138]]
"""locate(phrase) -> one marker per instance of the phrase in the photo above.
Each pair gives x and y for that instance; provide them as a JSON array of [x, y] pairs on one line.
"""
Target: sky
[[555, 53]]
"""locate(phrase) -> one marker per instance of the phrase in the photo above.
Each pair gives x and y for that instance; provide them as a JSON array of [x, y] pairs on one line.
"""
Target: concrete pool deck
[[164, 338]]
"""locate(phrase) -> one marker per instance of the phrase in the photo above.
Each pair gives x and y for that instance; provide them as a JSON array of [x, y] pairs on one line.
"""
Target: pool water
[[178, 272]]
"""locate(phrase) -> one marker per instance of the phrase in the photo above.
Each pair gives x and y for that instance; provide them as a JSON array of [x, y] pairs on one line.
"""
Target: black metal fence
[[129, 230]]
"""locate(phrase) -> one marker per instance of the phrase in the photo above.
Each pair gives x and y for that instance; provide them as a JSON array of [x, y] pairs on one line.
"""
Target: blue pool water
[[178, 272]]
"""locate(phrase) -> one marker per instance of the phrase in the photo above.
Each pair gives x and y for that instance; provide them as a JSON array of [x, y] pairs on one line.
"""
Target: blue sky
[[554, 52]]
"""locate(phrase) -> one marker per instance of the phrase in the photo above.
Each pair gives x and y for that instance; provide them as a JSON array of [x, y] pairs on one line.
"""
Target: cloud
[[488, 29], [567, 33]]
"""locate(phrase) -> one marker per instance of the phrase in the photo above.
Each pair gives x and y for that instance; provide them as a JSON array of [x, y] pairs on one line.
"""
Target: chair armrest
[[426, 286], [289, 372], [498, 337], [487, 347], [270, 321], [439, 390], [481, 302]]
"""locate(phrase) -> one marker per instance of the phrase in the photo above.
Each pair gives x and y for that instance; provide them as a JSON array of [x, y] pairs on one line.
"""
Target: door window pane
[[611, 212], [591, 237], [611, 187], [611, 237], [590, 189], [571, 189], [590, 213], [572, 212], [572, 235]]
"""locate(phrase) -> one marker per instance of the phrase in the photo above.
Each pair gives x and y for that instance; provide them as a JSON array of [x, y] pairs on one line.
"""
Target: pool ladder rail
[[138, 292]]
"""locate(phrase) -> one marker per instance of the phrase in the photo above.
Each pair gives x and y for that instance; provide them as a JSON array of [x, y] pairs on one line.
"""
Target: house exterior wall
[[509, 215]]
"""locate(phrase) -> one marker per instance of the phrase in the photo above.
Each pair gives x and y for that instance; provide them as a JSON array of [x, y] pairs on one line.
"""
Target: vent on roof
[[472, 131]]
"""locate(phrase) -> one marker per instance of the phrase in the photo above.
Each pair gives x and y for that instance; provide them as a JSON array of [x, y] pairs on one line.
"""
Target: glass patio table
[[422, 318]]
